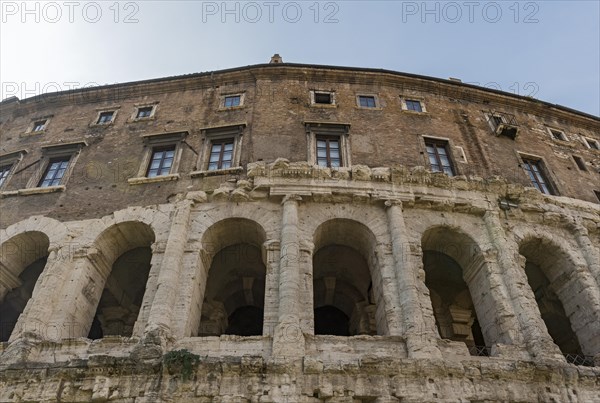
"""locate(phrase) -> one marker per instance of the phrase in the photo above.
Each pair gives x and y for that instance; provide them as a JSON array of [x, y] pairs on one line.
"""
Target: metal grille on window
[[4, 171], [438, 158], [536, 176], [221, 155], [54, 172], [162, 161], [328, 152]]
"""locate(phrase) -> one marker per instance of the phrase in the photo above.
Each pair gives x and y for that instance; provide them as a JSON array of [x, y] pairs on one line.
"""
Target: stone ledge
[[41, 190], [215, 172], [143, 179]]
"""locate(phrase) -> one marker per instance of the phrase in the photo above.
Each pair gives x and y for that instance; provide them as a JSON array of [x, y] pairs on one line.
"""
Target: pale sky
[[547, 49]]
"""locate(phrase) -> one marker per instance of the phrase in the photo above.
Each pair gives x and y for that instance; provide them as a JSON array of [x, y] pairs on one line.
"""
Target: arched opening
[[127, 248], [547, 270], [343, 294], [447, 255], [22, 260], [234, 295]]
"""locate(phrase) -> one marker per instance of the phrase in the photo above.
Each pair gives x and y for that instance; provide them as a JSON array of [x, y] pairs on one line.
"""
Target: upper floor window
[[322, 98], [438, 155], [580, 163], [367, 101], [161, 161], [557, 134], [39, 126], [413, 105], [144, 112], [328, 151], [105, 117], [221, 154], [4, 171], [597, 193], [232, 101], [55, 171], [593, 144], [535, 170]]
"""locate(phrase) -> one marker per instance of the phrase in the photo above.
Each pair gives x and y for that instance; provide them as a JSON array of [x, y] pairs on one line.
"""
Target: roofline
[[301, 65]]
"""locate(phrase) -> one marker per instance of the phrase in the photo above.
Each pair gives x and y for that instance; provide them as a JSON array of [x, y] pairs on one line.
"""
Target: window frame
[[138, 107], [445, 144], [315, 129], [589, 141], [375, 98], [553, 131], [222, 142], [315, 93], [328, 159], [405, 108], [580, 163], [218, 134], [98, 116], [50, 153], [153, 142], [11, 160], [542, 170], [32, 126], [63, 159], [161, 149]]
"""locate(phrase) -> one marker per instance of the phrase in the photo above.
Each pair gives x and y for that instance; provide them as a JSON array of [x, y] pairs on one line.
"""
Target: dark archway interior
[[16, 299], [332, 321], [235, 293], [451, 300], [552, 311], [122, 296], [341, 286]]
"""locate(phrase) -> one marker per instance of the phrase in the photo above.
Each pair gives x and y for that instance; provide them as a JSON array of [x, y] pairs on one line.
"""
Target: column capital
[[392, 202], [291, 197]]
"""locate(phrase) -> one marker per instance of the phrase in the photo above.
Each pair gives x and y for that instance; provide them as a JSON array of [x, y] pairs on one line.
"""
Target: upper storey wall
[[276, 103]]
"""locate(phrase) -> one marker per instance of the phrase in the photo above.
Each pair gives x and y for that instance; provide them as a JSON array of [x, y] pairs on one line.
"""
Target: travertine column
[[163, 304], [533, 330], [420, 337], [589, 251], [271, 257], [288, 339]]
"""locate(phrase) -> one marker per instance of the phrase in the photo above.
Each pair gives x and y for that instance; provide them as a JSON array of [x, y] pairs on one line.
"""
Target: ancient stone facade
[[294, 233]]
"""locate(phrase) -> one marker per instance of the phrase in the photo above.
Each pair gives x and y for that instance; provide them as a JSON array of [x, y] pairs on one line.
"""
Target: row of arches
[[346, 291]]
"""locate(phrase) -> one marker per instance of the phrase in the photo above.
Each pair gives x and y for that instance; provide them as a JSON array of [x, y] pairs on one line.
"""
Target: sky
[[549, 50]]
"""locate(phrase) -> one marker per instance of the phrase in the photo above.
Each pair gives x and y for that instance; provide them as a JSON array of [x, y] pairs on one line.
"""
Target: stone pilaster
[[589, 252], [288, 338], [271, 257], [420, 336], [532, 330], [163, 304]]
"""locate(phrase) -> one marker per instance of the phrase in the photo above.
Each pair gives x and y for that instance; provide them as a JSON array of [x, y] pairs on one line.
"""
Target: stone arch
[[22, 260], [453, 262], [121, 258], [235, 271], [563, 289], [346, 290]]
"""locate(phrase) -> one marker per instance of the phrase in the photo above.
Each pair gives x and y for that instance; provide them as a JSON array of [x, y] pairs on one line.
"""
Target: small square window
[[557, 134], [496, 120], [367, 101], [161, 161], [597, 193], [412, 105], [105, 118], [328, 151], [439, 157], [4, 172], [535, 171], [55, 171], [593, 144], [39, 126], [221, 154], [323, 98], [144, 112], [233, 101]]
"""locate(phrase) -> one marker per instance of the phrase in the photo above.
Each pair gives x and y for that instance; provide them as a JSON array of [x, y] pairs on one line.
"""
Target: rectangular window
[[221, 154], [496, 120], [39, 126], [161, 161], [4, 171], [557, 134], [534, 170], [597, 193], [55, 171], [439, 160], [144, 112], [323, 98], [366, 101], [232, 101], [105, 118], [328, 151], [580, 163], [593, 144], [412, 105]]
